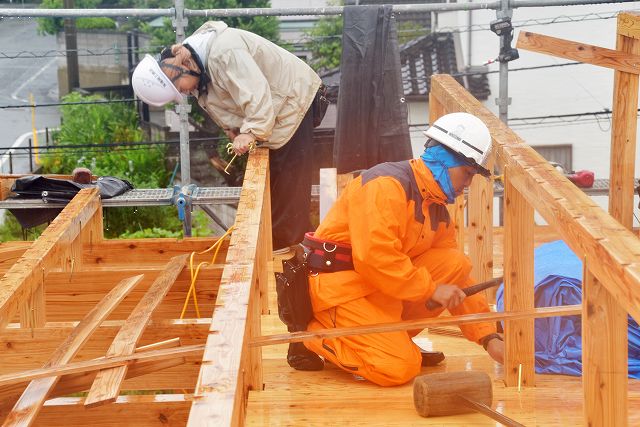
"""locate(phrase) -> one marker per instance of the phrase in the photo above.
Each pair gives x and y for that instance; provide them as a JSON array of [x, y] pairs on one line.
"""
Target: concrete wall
[[102, 58]]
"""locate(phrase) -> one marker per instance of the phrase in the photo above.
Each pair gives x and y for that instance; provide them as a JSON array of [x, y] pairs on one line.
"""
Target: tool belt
[[292, 289], [292, 285], [324, 256]]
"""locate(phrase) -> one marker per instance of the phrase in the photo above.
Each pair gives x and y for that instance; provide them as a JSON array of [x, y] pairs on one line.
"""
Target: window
[[557, 153]]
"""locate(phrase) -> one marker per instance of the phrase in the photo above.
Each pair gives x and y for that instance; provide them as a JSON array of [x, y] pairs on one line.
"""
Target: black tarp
[[372, 125], [58, 190]]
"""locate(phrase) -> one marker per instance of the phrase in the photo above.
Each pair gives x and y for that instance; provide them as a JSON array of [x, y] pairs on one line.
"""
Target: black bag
[[320, 105], [58, 190], [292, 288]]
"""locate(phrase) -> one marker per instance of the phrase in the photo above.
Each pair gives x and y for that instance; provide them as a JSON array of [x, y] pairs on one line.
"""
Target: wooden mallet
[[453, 393]]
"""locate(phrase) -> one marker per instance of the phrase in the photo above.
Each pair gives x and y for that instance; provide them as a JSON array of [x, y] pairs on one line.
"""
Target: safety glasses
[[181, 71]]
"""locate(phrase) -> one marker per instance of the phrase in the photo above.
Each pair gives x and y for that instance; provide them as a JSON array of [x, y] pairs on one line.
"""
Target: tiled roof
[[434, 53]]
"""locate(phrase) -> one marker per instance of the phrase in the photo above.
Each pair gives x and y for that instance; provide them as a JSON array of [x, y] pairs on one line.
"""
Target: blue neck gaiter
[[438, 159]]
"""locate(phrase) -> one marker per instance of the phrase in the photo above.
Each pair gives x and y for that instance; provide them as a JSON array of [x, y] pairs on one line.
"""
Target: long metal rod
[[333, 10]]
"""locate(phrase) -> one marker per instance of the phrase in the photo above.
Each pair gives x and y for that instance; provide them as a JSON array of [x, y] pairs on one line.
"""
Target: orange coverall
[[394, 217]]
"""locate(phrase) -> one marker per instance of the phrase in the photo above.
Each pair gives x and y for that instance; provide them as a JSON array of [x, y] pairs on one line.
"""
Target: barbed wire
[[408, 79], [55, 53], [308, 39], [540, 21]]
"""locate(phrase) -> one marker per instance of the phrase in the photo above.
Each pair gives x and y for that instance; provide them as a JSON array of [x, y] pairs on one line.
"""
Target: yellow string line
[[33, 128], [194, 275]]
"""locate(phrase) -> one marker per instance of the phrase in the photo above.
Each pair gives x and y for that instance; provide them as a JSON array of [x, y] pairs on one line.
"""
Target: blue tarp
[[558, 340]]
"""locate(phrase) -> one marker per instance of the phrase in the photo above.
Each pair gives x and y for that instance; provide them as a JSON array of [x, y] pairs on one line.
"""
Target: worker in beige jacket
[[258, 93]]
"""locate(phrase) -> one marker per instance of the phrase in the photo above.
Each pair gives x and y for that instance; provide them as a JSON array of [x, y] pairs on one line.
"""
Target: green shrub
[[84, 128]]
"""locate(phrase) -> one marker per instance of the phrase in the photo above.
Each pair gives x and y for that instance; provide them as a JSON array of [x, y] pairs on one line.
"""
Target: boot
[[431, 358], [301, 358]]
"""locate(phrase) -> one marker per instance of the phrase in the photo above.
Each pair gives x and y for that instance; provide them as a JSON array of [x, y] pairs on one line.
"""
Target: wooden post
[[604, 355], [22, 283], [456, 211], [624, 123], [518, 274], [229, 367], [328, 190]]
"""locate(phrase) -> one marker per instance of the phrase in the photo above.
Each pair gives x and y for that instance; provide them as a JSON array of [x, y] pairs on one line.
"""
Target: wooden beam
[[624, 126], [141, 411], [628, 62], [229, 368], [97, 364], [106, 386], [519, 365], [68, 297], [25, 277], [24, 349], [418, 324], [26, 409], [75, 383], [560, 202], [604, 355], [140, 252], [629, 25]]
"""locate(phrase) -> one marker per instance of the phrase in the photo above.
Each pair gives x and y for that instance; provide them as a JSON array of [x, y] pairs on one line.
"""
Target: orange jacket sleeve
[[376, 240]]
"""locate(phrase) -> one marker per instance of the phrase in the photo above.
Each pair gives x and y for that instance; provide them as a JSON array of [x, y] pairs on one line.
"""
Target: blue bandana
[[438, 159]]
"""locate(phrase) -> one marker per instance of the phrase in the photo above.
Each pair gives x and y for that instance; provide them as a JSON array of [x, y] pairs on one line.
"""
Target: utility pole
[[71, 46]]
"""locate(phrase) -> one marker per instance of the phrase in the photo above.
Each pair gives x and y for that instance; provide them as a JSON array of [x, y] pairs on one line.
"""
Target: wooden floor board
[[334, 397]]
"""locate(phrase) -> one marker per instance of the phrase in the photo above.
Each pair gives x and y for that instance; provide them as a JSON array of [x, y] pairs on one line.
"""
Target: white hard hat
[[464, 134], [152, 85]]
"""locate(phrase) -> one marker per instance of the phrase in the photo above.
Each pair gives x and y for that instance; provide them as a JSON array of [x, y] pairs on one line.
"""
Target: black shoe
[[431, 358], [301, 358]]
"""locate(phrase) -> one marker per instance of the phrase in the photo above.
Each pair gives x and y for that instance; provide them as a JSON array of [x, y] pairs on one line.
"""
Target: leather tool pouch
[[292, 287], [320, 105]]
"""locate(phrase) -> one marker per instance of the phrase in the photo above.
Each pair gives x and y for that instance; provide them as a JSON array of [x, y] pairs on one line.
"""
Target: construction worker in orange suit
[[394, 223]]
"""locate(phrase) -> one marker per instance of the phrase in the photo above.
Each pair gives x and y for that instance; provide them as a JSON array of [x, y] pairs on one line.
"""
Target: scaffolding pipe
[[332, 10]]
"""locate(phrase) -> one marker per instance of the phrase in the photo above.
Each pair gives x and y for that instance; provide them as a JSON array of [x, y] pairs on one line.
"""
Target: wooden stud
[[328, 190], [106, 386], [604, 355], [480, 228], [624, 126], [456, 211], [26, 409], [518, 291]]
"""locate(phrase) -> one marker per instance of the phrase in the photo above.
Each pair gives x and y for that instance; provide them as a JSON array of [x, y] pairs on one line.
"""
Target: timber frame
[[72, 303], [79, 313]]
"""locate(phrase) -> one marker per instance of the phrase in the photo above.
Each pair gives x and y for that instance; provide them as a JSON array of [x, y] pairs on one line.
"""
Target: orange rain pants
[[392, 358], [403, 246]]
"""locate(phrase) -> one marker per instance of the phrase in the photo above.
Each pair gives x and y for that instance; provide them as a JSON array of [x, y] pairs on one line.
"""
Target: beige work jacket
[[256, 86]]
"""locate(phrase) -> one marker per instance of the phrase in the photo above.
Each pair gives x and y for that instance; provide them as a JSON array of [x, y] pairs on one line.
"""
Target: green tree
[[84, 128], [266, 26], [326, 43], [55, 25]]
